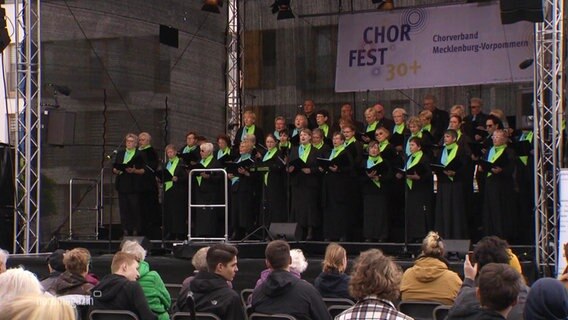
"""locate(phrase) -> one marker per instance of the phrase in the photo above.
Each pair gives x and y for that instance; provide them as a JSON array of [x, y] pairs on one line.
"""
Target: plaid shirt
[[372, 308]]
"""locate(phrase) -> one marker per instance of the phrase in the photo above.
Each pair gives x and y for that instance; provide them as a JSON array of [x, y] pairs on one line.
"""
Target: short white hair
[[299, 262], [4, 255], [17, 281], [135, 249]]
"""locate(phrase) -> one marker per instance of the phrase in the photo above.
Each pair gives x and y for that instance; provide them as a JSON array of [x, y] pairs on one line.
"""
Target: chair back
[[264, 316], [338, 301], [173, 290], [441, 312], [206, 316], [112, 315], [183, 316], [245, 294], [419, 310], [337, 309]]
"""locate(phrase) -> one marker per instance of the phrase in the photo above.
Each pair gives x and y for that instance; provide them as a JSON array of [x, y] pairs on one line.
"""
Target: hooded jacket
[[158, 297], [547, 300], [212, 294], [430, 280], [71, 283], [282, 292], [333, 285], [115, 292], [473, 312]]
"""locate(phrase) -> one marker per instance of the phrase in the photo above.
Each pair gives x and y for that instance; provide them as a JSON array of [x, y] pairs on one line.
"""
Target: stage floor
[[175, 265]]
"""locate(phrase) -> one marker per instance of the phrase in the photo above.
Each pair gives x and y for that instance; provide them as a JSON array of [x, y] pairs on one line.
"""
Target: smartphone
[[471, 257]]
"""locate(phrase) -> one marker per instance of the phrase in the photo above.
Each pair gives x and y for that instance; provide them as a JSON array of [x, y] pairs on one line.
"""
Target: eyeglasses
[[489, 126]]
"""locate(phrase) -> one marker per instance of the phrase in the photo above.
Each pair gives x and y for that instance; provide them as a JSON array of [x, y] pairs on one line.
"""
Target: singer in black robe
[[175, 196], [273, 177], [208, 191], [150, 209]]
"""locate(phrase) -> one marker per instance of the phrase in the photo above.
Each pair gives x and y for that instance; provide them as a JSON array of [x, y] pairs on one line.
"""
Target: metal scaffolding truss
[[234, 70], [28, 160], [548, 98]]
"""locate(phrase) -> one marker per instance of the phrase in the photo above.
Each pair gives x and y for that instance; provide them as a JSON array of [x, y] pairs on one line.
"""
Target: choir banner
[[431, 47]]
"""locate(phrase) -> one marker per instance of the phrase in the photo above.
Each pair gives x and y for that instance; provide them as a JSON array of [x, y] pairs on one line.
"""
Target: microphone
[[114, 152]]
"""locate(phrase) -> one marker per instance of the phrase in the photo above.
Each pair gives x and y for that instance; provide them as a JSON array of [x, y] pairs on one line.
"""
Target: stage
[[173, 260]]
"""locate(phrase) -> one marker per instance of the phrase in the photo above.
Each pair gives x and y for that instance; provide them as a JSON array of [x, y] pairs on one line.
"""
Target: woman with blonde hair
[[36, 307], [332, 282], [430, 278]]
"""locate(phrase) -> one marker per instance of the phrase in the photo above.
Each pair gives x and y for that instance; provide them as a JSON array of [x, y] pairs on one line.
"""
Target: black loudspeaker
[[60, 127], [6, 175], [169, 36], [4, 36], [285, 231], [456, 249], [143, 241], [518, 10]]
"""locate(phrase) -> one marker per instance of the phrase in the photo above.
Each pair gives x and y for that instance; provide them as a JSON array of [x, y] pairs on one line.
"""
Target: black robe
[[128, 186], [275, 189], [150, 209], [418, 204], [376, 202], [450, 217], [209, 221], [305, 191], [499, 201], [175, 202]]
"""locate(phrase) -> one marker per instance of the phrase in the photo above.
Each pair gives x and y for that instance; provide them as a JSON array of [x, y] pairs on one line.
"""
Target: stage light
[[384, 4], [282, 7], [526, 63], [212, 5]]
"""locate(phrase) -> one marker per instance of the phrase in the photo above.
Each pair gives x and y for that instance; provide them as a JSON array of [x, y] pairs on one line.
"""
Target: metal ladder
[[221, 205]]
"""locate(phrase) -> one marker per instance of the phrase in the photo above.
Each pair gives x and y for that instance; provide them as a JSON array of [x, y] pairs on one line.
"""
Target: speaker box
[[143, 241], [169, 36], [60, 127], [285, 231], [456, 249], [6, 175]]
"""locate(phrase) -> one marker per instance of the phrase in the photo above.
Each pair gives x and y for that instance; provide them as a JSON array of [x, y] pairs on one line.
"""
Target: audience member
[[430, 278], [332, 282], [3, 260], [73, 281], [16, 282], [498, 288], [154, 289], [299, 264], [120, 291], [199, 263], [36, 307], [209, 289], [283, 292], [375, 283], [548, 299], [56, 268], [490, 249]]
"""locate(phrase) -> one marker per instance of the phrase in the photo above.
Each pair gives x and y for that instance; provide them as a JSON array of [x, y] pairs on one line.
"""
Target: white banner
[[562, 222], [431, 47]]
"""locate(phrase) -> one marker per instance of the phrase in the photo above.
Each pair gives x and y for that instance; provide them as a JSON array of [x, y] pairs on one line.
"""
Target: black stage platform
[[173, 261]]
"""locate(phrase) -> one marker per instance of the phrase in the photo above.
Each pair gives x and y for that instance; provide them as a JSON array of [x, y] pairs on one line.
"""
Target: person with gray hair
[[154, 289], [208, 186], [3, 260], [17, 281]]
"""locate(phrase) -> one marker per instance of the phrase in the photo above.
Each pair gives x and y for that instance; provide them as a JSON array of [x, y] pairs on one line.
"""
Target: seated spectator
[[498, 288], [120, 291], [332, 282], [36, 307], [430, 278], [299, 265], [283, 292], [209, 289], [199, 262], [548, 299], [490, 249], [3, 260], [73, 281], [375, 283], [56, 268], [157, 295], [17, 281]]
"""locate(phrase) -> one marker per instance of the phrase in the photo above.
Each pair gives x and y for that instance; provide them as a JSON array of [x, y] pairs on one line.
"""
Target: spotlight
[[526, 63], [212, 5], [282, 7], [384, 4]]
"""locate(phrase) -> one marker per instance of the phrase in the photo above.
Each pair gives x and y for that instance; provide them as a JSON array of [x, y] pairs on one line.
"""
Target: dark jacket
[[70, 283], [473, 312], [48, 282], [115, 292], [333, 285], [282, 292], [212, 294]]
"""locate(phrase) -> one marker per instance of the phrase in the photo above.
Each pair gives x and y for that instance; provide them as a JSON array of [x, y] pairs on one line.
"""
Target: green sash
[[188, 149], [128, 155], [526, 136], [145, 147], [267, 157], [325, 128], [318, 146], [171, 167], [447, 157], [427, 127], [372, 161], [336, 151], [399, 128], [494, 154], [372, 126], [412, 161], [204, 162], [306, 152]]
